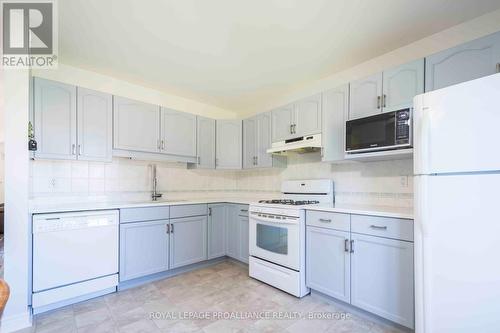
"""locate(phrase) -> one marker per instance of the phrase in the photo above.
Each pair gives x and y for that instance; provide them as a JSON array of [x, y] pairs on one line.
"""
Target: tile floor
[[224, 288]]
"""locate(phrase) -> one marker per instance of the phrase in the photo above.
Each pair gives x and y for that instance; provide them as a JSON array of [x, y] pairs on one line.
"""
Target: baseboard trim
[[16, 322]]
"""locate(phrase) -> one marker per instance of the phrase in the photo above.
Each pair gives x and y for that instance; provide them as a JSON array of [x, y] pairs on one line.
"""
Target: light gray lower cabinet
[[228, 144], [144, 248], [232, 232], [468, 61], [216, 230], [335, 112], [328, 262], [382, 277], [188, 240], [243, 237]]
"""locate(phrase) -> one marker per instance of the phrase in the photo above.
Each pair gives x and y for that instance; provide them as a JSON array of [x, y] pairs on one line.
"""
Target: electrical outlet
[[403, 181]]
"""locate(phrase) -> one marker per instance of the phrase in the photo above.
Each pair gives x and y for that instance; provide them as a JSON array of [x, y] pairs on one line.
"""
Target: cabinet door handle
[[379, 227], [291, 128], [256, 160], [378, 102], [498, 67], [162, 144], [158, 145], [209, 211], [73, 149], [80, 150], [352, 246], [384, 100], [346, 245], [168, 228], [325, 220], [294, 128], [171, 228], [199, 160], [243, 210]]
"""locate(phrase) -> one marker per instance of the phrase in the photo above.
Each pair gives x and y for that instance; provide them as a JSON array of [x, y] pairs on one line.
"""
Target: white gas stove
[[277, 234]]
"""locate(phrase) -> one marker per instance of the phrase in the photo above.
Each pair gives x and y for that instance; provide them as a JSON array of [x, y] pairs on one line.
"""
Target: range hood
[[302, 144]]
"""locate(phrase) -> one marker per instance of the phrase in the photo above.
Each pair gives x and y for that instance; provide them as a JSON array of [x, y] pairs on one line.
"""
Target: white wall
[[96, 81], [445, 39], [15, 85]]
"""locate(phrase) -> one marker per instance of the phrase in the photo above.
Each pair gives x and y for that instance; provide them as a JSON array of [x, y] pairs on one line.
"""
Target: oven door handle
[[268, 221]]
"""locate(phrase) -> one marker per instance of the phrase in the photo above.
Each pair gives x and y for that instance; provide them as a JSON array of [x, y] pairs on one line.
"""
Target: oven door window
[[371, 132], [272, 238]]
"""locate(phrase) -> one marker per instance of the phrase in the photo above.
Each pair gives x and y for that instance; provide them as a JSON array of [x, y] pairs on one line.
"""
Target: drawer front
[[188, 210], [328, 220], [128, 215], [383, 227], [242, 210]]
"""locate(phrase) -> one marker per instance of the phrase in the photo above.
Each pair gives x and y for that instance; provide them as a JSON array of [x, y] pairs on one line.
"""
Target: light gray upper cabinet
[[390, 90], [335, 112], [216, 231], [54, 119], [232, 232], [282, 121], [401, 85], [365, 96], [328, 262], [307, 116], [188, 240], [388, 290], [178, 132], [205, 143], [229, 144], [468, 61], [135, 125], [297, 119], [144, 248], [95, 125], [250, 143], [244, 234]]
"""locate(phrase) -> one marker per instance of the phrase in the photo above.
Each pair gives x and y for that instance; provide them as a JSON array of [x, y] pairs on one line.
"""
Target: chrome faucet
[[155, 195]]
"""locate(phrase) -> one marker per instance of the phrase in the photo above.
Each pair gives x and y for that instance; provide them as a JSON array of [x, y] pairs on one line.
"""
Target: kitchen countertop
[[385, 211]]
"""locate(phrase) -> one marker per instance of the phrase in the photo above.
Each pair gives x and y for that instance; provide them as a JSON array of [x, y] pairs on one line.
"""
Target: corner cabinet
[[468, 61], [228, 144], [54, 116], [335, 112], [71, 123], [144, 248], [136, 126], [178, 133]]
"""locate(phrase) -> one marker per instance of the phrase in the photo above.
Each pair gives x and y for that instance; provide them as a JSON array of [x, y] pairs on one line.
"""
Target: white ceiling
[[238, 54]]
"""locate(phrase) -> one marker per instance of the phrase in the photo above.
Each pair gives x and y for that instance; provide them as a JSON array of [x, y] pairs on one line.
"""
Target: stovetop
[[289, 202]]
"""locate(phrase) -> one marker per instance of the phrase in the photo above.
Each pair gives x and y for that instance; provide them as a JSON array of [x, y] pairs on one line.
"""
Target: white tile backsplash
[[370, 182]]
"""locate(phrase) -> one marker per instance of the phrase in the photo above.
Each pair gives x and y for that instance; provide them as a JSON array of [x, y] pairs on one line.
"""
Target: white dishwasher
[[75, 257]]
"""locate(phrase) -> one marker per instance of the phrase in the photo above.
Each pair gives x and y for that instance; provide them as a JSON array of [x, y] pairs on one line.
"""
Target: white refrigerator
[[457, 208]]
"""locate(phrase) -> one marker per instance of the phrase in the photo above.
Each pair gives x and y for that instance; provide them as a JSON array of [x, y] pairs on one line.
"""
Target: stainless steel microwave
[[384, 131]]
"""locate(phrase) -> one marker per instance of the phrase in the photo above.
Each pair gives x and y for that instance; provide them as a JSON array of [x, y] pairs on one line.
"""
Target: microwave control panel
[[403, 118]]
